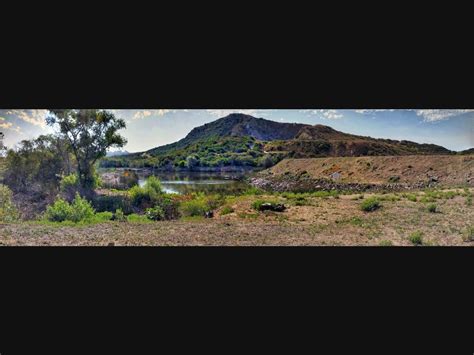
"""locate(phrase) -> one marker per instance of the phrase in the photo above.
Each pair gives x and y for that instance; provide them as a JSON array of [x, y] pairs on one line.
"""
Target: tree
[[2, 147], [37, 165], [90, 133]]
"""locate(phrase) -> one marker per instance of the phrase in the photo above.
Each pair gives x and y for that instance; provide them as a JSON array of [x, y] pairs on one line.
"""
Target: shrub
[[226, 210], [385, 243], [59, 211], [103, 217], [469, 200], [411, 197], [148, 195], [69, 182], [393, 179], [370, 204], [8, 212], [112, 203], [416, 238], [195, 207], [469, 234], [432, 208], [80, 210], [119, 215], [155, 214], [136, 218]]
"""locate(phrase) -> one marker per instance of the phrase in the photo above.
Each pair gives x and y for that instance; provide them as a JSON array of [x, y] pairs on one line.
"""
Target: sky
[[149, 128]]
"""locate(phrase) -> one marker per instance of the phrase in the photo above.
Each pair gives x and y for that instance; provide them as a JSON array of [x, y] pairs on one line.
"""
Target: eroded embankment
[[368, 173]]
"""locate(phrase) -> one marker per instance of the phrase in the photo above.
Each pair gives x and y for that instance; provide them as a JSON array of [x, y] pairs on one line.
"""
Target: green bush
[[119, 215], [8, 212], [79, 210], [137, 218], [112, 203], [69, 182], [416, 238], [469, 234], [59, 211], [195, 207], [411, 197], [432, 208], [370, 204], [155, 214], [385, 243], [469, 200], [148, 195], [226, 210]]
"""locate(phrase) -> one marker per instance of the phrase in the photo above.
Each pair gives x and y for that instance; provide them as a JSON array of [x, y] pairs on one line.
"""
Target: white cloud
[[34, 117], [8, 125], [223, 113], [324, 114], [372, 111], [438, 115], [147, 113]]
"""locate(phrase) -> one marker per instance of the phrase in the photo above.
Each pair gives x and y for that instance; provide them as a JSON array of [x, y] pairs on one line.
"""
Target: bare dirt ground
[[448, 170], [308, 221]]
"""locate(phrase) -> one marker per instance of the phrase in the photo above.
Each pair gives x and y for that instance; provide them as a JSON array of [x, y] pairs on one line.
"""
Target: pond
[[209, 182]]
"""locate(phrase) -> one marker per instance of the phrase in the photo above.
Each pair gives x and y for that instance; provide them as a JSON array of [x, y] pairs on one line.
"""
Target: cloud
[[34, 117], [147, 113], [223, 113], [8, 125], [372, 111], [439, 115], [324, 114]]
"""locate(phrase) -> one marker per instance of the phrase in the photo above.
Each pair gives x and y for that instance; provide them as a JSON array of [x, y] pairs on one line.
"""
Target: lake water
[[183, 183]]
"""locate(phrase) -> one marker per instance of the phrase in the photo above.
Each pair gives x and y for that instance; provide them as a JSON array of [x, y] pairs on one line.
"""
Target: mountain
[[320, 140], [239, 140]]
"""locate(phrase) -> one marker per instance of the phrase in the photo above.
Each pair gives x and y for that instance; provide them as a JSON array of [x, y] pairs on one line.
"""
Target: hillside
[[412, 171], [319, 141], [243, 141]]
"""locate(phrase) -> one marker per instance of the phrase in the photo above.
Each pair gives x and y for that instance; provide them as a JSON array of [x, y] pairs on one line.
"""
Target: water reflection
[[183, 183]]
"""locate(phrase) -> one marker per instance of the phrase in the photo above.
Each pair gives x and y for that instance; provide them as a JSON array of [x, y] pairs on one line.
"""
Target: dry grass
[[317, 221]]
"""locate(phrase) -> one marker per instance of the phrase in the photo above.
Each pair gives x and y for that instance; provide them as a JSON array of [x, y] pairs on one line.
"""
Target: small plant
[[79, 210], [226, 210], [370, 204], [411, 197], [393, 179], [8, 212], [416, 238], [432, 208], [137, 218], [469, 234], [155, 214], [119, 215], [385, 243], [195, 207], [469, 200]]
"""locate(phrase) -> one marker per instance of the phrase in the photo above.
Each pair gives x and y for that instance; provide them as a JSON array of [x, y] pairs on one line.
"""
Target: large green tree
[[90, 133]]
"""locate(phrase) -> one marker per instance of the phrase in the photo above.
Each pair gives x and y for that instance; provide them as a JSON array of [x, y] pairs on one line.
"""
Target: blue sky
[[453, 129]]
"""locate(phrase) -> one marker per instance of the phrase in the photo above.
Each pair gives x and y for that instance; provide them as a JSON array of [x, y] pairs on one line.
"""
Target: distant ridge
[[240, 140]]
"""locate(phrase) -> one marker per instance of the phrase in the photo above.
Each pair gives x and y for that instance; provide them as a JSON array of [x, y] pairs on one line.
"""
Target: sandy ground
[[319, 221]]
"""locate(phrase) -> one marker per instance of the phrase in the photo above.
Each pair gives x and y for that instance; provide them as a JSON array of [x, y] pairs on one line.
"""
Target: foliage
[[385, 243], [112, 203], [119, 215], [416, 238], [198, 204], [79, 210], [206, 152], [148, 195], [37, 165], [155, 214], [226, 210], [137, 218], [432, 208], [469, 234], [89, 134], [8, 211], [370, 204]]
